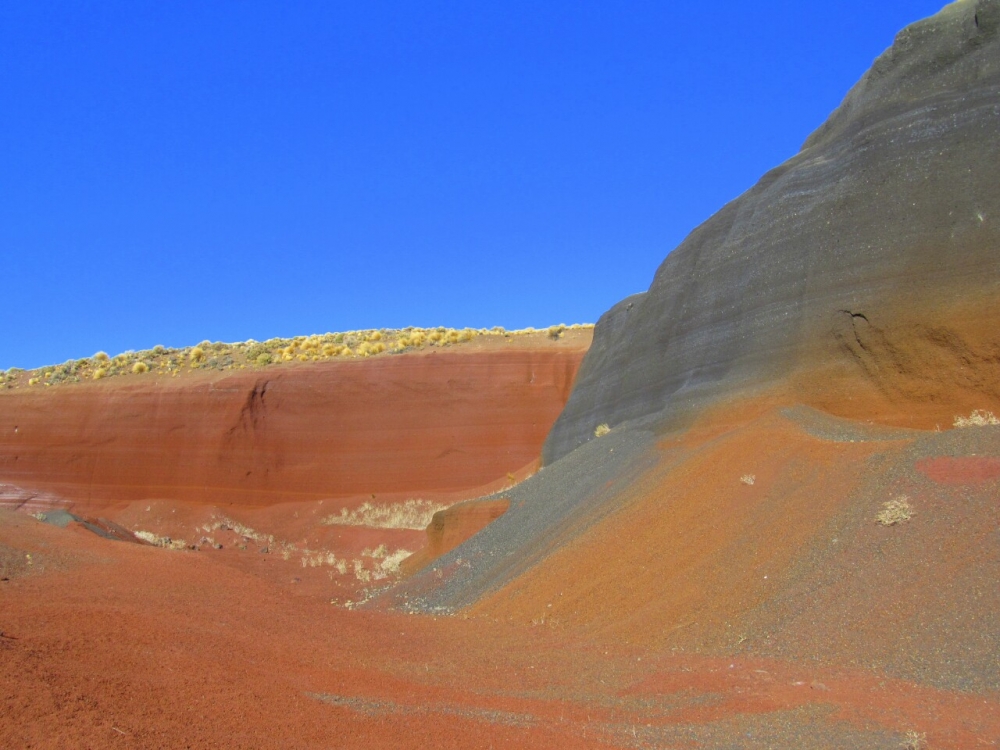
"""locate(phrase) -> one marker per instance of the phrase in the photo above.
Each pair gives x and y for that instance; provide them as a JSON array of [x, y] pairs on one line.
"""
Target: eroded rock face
[[860, 277], [441, 422]]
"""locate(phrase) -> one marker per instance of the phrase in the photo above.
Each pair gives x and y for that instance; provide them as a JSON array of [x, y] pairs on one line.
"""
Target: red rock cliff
[[429, 422]]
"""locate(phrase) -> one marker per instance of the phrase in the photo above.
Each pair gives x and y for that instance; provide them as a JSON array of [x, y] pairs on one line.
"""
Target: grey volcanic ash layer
[[859, 274], [860, 278]]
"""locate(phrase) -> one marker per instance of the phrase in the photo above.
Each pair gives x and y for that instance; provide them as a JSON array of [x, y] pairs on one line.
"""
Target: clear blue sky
[[176, 171]]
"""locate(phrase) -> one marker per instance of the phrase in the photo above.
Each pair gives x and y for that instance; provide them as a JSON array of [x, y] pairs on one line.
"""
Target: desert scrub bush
[[99, 373], [264, 358], [412, 514], [466, 335], [978, 418], [914, 740], [375, 336], [196, 355], [556, 331], [255, 350], [601, 430], [159, 350], [101, 357], [139, 368], [330, 350], [895, 511]]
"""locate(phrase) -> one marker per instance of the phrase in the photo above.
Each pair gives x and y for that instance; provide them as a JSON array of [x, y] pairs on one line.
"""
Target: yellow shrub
[[467, 335], [378, 348], [453, 336], [330, 350], [99, 373], [101, 357], [197, 354], [376, 336], [303, 358], [139, 368]]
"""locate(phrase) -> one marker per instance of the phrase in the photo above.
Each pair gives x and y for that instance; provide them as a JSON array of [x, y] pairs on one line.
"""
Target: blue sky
[[176, 171]]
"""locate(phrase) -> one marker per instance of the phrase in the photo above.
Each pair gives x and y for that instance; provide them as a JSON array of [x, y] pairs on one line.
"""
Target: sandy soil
[[706, 612], [108, 644]]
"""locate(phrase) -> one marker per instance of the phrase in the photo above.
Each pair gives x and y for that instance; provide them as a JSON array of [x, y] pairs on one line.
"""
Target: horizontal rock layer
[[419, 423]]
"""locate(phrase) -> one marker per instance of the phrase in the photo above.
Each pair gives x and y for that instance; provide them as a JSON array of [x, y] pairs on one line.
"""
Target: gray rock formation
[[873, 253]]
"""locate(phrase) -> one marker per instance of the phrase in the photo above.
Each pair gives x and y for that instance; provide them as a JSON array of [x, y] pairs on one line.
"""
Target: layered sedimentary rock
[[415, 423], [860, 277]]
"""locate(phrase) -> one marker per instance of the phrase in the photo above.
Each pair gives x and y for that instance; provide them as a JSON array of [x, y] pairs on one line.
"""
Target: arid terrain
[[754, 507]]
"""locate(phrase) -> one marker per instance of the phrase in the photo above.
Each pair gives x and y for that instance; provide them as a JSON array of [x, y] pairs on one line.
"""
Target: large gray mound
[[895, 197]]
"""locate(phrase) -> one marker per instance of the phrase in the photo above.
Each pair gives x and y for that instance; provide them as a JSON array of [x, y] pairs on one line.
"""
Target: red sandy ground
[[108, 644]]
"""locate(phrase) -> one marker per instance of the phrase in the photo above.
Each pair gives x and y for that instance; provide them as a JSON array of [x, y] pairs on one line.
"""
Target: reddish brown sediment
[[106, 644], [430, 422], [960, 469]]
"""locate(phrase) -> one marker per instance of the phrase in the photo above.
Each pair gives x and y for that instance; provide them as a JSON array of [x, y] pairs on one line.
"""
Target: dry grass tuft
[[161, 541], [601, 430], [748, 479], [164, 361], [895, 511], [412, 514], [914, 741], [978, 418]]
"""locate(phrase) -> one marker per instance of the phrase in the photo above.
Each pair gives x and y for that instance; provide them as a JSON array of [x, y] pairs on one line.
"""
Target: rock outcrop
[[416, 423], [859, 277]]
